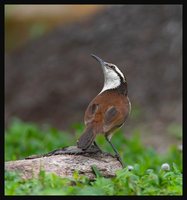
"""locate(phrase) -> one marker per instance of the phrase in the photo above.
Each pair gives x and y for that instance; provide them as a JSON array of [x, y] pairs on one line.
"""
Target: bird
[[109, 110]]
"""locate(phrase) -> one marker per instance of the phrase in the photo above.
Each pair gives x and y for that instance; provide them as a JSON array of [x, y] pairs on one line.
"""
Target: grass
[[146, 176]]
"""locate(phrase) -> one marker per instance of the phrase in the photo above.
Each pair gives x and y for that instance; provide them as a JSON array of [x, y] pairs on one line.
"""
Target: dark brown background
[[53, 78]]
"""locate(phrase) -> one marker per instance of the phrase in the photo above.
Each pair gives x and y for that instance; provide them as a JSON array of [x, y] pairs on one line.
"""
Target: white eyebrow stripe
[[116, 68]]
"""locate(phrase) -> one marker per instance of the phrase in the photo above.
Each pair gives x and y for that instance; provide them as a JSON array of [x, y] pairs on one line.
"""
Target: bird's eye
[[112, 66]]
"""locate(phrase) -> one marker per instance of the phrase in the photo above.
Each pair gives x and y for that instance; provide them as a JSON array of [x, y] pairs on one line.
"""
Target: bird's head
[[113, 76]]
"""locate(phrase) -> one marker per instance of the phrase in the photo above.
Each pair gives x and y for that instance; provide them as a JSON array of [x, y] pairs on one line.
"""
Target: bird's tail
[[86, 139]]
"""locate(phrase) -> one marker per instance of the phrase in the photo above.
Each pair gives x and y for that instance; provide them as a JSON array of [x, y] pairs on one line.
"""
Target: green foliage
[[125, 183], [24, 139], [146, 177]]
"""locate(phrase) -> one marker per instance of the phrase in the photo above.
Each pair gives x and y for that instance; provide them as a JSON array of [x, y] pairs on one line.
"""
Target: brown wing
[[113, 118], [90, 113], [110, 115], [106, 112]]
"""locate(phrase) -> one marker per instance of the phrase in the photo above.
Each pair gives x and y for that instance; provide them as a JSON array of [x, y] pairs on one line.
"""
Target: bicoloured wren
[[108, 110]]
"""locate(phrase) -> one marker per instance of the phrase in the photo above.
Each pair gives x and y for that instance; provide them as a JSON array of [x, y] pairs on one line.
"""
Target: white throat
[[112, 80]]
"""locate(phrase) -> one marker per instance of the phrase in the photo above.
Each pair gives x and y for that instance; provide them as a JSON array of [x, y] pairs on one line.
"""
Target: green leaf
[[96, 171]]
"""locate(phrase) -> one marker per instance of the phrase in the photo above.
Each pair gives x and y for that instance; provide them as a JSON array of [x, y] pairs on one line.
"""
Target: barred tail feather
[[86, 139]]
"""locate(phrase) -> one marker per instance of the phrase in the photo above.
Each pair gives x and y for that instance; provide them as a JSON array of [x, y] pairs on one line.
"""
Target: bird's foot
[[93, 149], [95, 144], [119, 159]]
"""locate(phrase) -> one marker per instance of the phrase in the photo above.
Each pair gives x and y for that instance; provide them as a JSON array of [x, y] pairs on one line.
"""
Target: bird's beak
[[99, 60]]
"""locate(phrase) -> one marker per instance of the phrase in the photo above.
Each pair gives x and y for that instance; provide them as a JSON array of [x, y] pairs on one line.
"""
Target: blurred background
[[50, 77]]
